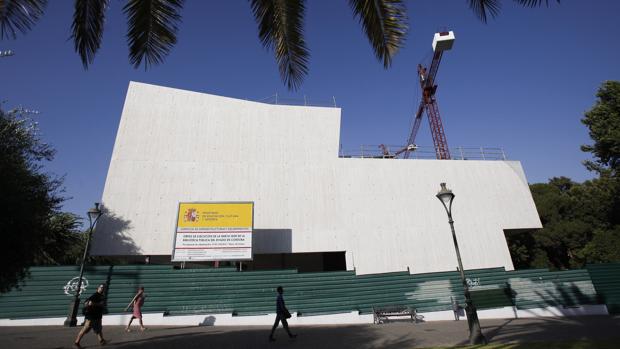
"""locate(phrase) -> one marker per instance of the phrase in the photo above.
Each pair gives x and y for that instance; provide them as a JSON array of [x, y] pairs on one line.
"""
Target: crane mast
[[441, 42]]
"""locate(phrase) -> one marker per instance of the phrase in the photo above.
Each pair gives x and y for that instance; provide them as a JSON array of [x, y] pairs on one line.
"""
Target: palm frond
[[533, 3], [19, 15], [152, 29], [280, 26], [87, 28], [483, 7], [385, 25]]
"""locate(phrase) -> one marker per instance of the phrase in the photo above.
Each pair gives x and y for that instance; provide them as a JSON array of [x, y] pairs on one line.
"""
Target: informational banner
[[213, 231]]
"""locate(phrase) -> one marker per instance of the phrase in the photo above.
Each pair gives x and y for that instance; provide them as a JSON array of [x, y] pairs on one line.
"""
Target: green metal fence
[[225, 290], [606, 280]]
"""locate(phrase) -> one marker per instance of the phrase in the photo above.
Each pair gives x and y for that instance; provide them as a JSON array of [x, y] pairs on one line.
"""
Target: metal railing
[[424, 152], [306, 101]]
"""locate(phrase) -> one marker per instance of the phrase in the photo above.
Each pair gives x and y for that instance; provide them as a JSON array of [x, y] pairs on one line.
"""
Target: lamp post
[[446, 196], [93, 215]]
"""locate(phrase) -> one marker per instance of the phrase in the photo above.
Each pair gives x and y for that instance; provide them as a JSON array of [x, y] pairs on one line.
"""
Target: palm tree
[[152, 27]]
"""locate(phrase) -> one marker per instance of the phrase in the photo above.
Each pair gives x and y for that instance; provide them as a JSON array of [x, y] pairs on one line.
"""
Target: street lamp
[[93, 215], [446, 196]]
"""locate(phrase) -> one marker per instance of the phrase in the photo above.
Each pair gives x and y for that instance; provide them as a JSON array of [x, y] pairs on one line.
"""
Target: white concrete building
[[375, 215]]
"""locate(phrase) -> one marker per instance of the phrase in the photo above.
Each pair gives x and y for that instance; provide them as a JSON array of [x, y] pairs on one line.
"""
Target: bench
[[382, 313]]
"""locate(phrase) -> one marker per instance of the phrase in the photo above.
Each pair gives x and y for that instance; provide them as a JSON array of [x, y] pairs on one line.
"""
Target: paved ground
[[391, 335]]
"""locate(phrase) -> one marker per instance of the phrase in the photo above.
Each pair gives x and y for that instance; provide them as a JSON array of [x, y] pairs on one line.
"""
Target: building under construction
[[264, 193], [314, 208]]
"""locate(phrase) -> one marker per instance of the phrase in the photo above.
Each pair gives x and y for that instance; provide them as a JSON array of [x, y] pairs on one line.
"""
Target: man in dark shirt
[[281, 315], [93, 312]]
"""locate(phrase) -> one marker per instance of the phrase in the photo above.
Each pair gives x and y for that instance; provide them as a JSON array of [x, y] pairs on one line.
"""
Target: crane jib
[[441, 42]]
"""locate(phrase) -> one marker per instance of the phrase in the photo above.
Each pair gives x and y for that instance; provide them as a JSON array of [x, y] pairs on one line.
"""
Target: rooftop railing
[[306, 101], [423, 152]]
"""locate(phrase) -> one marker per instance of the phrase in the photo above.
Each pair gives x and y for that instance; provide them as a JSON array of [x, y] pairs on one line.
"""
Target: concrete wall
[[175, 145]]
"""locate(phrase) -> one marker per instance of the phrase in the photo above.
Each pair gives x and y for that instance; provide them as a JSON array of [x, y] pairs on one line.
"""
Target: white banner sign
[[214, 232]]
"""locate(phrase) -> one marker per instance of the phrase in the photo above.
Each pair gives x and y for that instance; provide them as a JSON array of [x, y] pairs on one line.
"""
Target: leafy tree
[[581, 221], [575, 217], [153, 26], [524, 251], [63, 242], [603, 121], [604, 246], [33, 230], [555, 202]]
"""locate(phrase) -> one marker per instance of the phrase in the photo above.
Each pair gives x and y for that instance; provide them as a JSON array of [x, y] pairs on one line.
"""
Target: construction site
[[315, 207], [343, 231]]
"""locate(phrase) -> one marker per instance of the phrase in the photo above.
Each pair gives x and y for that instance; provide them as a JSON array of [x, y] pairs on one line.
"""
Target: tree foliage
[[32, 228], [603, 121], [581, 221], [63, 243], [153, 26]]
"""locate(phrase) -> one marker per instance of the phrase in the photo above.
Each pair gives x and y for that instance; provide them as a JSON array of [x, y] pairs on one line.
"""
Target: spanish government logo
[[190, 215]]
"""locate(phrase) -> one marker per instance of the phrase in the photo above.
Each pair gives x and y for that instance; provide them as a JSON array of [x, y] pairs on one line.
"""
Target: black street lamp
[[446, 196], [93, 215]]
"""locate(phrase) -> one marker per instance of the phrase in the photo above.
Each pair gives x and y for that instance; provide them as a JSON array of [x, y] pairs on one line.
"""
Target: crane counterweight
[[443, 41]]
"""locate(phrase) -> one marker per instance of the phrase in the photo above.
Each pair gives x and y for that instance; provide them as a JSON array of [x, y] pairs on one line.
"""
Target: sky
[[521, 82]]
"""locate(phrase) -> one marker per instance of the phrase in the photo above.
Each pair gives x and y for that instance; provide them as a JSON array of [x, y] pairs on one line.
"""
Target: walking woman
[[136, 302], [282, 314]]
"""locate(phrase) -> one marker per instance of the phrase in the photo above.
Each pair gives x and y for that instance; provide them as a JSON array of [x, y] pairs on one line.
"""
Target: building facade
[[313, 209]]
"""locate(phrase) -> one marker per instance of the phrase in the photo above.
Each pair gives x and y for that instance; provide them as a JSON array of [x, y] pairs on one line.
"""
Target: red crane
[[441, 42]]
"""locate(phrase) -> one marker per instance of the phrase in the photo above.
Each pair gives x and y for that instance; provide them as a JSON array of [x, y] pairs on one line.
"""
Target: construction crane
[[388, 155], [441, 42]]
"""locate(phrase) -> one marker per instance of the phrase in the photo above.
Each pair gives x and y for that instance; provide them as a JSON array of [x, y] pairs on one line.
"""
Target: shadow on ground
[[389, 336], [590, 328], [308, 337]]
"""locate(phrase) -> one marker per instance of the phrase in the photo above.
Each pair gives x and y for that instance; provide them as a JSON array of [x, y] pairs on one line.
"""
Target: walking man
[[281, 315], [93, 313]]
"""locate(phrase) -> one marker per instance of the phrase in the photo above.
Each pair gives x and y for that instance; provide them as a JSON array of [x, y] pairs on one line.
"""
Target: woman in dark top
[[93, 313]]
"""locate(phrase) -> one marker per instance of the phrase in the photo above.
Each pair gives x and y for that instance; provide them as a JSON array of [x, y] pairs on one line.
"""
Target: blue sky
[[521, 82]]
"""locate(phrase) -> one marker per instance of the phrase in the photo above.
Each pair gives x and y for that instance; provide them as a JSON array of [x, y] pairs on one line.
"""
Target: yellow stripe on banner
[[215, 215]]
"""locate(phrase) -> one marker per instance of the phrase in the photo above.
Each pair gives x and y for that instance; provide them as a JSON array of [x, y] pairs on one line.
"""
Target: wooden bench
[[382, 313]]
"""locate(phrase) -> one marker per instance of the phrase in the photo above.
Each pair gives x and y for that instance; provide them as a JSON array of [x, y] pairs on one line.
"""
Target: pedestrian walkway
[[390, 336]]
